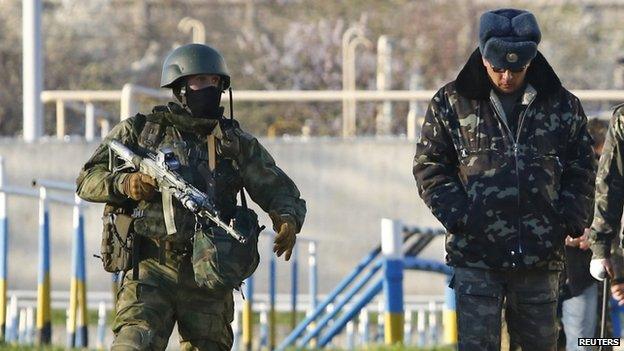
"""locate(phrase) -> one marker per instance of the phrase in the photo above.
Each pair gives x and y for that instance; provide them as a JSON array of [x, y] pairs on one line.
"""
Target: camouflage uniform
[[609, 188], [166, 292], [507, 199]]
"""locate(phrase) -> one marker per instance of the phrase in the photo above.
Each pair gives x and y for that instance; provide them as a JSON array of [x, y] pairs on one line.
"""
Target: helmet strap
[[182, 96]]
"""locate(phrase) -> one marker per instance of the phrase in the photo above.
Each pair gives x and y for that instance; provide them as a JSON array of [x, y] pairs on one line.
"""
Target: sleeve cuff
[[118, 184], [292, 220], [600, 250]]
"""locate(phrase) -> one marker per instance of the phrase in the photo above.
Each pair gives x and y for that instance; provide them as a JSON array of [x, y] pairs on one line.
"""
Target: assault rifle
[[162, 167]]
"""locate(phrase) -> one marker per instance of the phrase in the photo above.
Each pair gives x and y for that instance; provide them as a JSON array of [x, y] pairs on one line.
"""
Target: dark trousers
[[530, 297]]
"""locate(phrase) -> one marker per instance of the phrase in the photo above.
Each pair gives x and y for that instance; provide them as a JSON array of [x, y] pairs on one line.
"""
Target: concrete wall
[[349, 185]]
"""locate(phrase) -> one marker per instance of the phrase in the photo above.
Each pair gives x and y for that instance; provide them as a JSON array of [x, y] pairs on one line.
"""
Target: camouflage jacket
[[506, 200], [241, 161], [609, 188]]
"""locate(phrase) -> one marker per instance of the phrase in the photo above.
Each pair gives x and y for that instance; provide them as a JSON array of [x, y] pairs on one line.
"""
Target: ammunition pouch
[[117, 239], [220, 261]]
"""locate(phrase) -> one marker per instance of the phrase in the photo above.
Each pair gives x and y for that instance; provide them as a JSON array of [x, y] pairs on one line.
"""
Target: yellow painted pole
[[248, 316]]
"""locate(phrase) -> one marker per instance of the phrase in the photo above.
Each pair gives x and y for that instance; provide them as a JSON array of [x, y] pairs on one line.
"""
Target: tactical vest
[[218, 261], [191, 149]]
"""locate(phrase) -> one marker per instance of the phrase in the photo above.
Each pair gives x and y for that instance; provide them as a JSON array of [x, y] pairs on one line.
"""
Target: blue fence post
[[44, 330], [312, 281], [80, 276], [248, 315], [391, 245], [294, 281], [4, 245], [313, 275], [272, 292], [450, 315]]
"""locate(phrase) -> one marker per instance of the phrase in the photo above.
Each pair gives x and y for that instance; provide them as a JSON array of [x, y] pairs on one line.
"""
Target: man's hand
[[139, 186], [582, 242], [617, 290], [600, 267], [286, 237]]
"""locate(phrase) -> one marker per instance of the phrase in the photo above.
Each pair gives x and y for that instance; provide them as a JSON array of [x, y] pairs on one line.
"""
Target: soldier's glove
[[286, 229], [139, 186], [600, 267]]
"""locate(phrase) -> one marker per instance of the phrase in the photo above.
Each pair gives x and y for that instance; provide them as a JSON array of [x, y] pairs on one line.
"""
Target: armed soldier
[[609, 207], [505, 164], [181, 267]]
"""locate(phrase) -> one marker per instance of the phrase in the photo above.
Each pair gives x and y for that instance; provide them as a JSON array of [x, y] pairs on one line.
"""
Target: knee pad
[[133, 338]]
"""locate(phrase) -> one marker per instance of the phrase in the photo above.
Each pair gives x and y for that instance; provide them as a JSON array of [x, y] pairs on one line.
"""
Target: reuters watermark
[[598, 342]]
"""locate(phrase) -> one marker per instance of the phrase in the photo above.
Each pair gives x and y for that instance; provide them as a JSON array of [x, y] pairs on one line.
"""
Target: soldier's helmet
[[191, 59]]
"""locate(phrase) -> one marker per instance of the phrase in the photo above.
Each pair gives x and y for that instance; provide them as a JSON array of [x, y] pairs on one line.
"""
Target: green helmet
[[191, 59]]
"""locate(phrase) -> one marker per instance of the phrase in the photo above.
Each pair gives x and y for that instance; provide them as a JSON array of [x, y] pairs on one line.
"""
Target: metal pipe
[[412, 124], [391, 243], [294, 277], [347, 36], [407, 328], [248, 316], [272, 292], [330, 297], [347, 297], [433, 323], [350, 123], [384, 82], [313, 275], [4, 252], [449, 318], [365, 298], [104, 128], [89, 121], [80, 95], [44, 327], [264, 328], [302, 95], [421, 327], [32, 70], [363, 326], [196, 27], [60, 119], [79, 277], [101, 328]]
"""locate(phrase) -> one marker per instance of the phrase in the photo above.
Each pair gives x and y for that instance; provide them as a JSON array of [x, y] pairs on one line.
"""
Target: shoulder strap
[[243, 198]]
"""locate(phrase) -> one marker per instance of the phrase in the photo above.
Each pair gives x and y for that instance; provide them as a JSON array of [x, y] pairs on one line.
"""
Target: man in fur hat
[[505, 163]]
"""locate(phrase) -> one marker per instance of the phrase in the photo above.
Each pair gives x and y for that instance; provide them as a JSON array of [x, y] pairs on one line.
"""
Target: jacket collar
[[474, 83], [182, 119]]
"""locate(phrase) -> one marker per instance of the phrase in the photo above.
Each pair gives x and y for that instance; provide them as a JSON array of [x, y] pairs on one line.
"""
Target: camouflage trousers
[[530, 297], [165, 294]]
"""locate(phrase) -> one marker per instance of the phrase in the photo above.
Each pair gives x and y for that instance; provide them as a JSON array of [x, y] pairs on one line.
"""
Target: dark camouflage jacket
[[506, 200], [241, 161], [609, 188]]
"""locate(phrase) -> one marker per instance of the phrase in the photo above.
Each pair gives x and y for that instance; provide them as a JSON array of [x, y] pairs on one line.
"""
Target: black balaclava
[[204, 103]]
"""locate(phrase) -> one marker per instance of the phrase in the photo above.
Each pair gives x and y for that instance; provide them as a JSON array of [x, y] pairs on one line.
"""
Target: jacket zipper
[[514, 144]]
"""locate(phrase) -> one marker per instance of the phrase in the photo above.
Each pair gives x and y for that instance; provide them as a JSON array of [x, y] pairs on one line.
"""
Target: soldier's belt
[[151, 249]]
